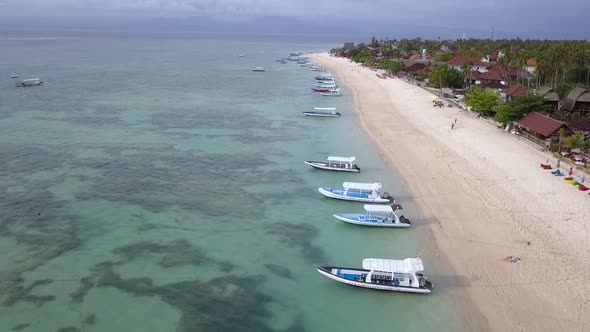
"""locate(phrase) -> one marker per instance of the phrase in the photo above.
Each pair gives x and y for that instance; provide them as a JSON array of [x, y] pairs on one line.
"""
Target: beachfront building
[[531, 66], [487, 79], [511, 73], [461, 62], [578, 100], [581, 125], [551, 97], [542, 129], [415, 68], [514, 91]]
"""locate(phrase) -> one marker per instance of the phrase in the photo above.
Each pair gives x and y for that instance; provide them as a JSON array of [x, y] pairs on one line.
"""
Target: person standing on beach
[[452, 125]]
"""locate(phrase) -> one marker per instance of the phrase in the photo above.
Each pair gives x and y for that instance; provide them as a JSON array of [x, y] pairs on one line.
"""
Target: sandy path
[[485, 198]]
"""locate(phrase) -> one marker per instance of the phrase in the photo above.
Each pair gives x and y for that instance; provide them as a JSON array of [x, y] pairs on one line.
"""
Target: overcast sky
[[566, 17]]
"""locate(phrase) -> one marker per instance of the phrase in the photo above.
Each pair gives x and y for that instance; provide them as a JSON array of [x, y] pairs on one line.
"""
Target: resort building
[[581, 125], [578, 100], [462, 61], [531, 66], [542, 129], [514, 91], [489, 79], [551, 97]]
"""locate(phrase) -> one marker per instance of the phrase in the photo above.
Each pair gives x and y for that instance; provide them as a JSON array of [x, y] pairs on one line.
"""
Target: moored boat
[[383, 274], [358, 192], [332, 93], [258, 69], [377, 215], [30, 82], [13, 76], [320, 114], [338, 164], [324, 90]]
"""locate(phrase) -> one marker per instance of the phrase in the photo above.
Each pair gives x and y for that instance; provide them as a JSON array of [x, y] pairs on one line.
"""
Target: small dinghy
[[13, 76], [377, 215], [338, 164], [358, 192], [383, 274], [258, 69], [323, 114]]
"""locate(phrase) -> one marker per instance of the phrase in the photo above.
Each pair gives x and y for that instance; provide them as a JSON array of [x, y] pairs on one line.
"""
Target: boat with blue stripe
[[383, 274], [377, 216], [358, 192]]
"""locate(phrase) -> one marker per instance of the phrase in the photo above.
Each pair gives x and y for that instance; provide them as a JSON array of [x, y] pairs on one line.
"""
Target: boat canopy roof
[[378, 208], [362, 186], [408, 265], [341, 159], [324, 108]]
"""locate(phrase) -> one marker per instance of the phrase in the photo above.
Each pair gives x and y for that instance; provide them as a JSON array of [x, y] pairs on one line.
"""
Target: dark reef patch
[[20, 327], [232, 303], [280, 271], [178, 253], [69, 329], [298, 235], [20, 293]]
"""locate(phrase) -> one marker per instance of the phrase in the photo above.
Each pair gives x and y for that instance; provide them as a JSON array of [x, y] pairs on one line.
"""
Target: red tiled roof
[[490, 76], [415, 57], [493, 57], [581, 124], [541, 124], [531, 63], [464, 60], [516, 90], [512, 71], [414, 67]]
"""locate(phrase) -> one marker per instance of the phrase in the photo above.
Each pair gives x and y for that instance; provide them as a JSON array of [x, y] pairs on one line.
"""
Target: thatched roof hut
[[578, 100]]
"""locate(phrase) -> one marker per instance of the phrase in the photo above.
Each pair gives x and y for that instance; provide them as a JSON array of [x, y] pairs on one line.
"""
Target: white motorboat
[[377, 215], [358, 192], [13, 76], [338, 164], [30, 82], [332, 93], [259, 69], [242, 55], [383, 274]]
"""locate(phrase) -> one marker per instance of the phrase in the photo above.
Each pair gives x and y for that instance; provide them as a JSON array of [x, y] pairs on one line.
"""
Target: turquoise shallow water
[[157, 184]]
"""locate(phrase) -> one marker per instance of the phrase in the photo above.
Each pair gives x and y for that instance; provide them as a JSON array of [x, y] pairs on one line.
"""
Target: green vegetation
[[483, 101], [445, 76], [519, 106], [575, 141], [444, 57], [559, 62], [391, 66]]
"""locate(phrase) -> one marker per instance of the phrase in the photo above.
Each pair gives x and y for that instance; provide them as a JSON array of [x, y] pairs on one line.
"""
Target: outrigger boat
[[378, 215], [358, 192], [327, 76], [383, 274], [339, 164]]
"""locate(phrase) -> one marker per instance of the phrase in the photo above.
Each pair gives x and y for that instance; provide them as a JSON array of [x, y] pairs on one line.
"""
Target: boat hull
[[353, 196], [322, 115], [320, 89], [368, 220], [327, 272], [324, 166]]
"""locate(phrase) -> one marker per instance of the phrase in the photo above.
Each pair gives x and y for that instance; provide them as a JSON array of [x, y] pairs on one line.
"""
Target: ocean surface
[[156, 183]]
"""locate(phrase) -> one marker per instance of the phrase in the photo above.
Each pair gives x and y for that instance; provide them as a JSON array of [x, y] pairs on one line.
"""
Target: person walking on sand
[[455, 120], [452, 125]]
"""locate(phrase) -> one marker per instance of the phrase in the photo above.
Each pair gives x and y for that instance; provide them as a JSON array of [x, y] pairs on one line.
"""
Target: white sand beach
[[485, 198]]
